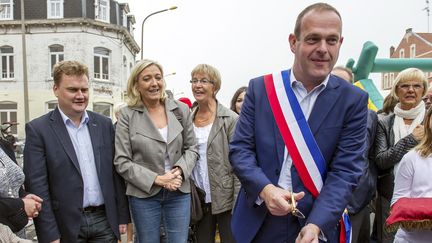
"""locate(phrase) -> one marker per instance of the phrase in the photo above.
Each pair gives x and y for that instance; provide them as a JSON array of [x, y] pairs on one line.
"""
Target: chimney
[[392, 49], [409, 30]]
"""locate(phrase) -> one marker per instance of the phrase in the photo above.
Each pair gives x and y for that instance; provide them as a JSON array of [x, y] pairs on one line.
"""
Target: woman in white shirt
[[412, 180], [214, 126]]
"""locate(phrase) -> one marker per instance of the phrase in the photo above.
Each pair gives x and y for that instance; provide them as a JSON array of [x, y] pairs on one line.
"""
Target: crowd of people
[[295, 155]]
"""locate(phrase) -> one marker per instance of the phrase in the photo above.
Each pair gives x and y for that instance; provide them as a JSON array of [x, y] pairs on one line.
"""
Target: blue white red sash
[[295, 131], [298, 138]]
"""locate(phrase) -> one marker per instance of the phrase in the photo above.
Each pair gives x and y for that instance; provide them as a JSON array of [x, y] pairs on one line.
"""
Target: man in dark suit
[[68, 162], [336, 115]]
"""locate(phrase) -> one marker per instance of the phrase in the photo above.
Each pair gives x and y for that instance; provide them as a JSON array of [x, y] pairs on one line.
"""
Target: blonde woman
[[214, 126], [155, 153], [412, 180], [396, 134]]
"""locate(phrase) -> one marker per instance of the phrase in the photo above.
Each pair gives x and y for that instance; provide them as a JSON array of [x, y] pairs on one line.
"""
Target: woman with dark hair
[[155, 154], [237, 99]]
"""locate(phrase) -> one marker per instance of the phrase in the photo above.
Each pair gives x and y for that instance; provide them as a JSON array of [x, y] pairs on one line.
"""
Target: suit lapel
[[323, 105], [147, 128], [217, 124], [95, 136], [280, 144], [60, 130], [174, 126]]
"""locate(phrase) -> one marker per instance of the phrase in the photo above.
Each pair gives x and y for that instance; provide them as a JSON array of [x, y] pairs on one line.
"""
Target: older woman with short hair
[[396, 134], [155, 154], [214, 126]]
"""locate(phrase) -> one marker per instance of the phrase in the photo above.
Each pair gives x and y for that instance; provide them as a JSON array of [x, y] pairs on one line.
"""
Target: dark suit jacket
[[338, 123], [53, 173]]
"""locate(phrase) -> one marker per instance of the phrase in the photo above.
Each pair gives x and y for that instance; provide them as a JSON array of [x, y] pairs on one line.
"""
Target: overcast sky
[[245, 39]]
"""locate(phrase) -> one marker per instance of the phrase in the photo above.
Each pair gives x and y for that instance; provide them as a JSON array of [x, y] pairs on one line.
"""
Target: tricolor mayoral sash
[[298, 138]]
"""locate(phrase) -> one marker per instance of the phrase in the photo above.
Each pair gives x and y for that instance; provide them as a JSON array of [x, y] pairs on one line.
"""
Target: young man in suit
[[68, 161], [334, 113]]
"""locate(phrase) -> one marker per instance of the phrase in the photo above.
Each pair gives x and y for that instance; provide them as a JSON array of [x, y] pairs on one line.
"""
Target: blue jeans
[[175, 210]]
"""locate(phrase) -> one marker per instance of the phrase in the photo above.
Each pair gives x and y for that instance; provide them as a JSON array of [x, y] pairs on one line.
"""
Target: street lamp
[[24, 56], [142, 25], [170, 74]]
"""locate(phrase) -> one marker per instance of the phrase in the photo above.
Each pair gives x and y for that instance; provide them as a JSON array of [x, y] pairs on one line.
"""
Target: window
[[56, 55], [391, 81], [412, 51], [7, 9], [102, 10], [386, 81], [51, 105], [55, 9], [101, 63], [7, 62], [103, 108], [401, 53], [8, 113], [124, 19]]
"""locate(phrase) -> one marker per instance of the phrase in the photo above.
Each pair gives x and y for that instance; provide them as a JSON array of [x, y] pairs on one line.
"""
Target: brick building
[[98, 33], [412, 45]]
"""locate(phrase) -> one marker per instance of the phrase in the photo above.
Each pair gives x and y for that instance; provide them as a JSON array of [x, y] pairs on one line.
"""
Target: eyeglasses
[[202, 81], [295, 211], [408, 86]]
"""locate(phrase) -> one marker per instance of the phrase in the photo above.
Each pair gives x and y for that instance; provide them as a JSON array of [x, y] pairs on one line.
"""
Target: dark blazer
[[338, 123], [52, 172], [366, 188]]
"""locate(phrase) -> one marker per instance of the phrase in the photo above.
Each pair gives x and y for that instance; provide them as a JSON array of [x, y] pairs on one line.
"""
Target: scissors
[[295, 211]]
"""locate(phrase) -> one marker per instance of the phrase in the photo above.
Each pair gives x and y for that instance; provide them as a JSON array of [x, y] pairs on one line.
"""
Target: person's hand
[[178, 172], [171, 180], [31, 207], [308, 234], [418, 132], [37, 199], [277, 200], [174, 184], [56, 241], [123, 228]]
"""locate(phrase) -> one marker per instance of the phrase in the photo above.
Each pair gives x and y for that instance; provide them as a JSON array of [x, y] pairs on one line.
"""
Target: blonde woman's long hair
[[134, 96], [424, 148]]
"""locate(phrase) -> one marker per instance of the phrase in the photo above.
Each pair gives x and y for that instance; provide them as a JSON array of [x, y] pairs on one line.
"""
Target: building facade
[[412, 45], [98, 33]]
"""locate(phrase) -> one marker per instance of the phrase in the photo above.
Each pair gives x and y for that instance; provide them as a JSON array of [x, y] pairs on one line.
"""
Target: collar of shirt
[[306, 99], [67, 121], [299, 88]]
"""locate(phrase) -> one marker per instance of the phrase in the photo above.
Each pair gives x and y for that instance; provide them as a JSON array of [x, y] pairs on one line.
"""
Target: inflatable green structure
[[368, 63]]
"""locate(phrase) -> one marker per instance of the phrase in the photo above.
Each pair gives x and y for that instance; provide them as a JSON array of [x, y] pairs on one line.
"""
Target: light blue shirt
[[82, 144]]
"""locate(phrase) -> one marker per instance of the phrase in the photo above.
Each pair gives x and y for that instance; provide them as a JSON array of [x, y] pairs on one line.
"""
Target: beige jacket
[[140, 149], [224, 185]]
